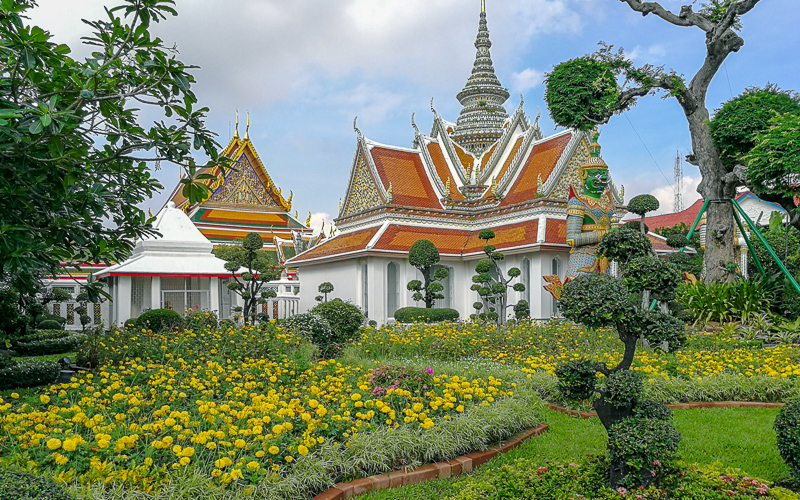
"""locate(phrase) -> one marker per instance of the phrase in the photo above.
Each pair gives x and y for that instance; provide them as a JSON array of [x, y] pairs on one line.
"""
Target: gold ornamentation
[[308, 221], [389, 194], [364, 192], [243, 187]]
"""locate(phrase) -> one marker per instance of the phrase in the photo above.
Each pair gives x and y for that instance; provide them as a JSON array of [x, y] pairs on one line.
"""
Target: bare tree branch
[[686, 18]]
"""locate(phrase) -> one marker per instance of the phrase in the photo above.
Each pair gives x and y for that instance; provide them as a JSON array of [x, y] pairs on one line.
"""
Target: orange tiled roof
[[400, 238], [542, 160], [508, 161], [344, 243], [406, 173], [687, 216], [509, 236], [556, 231], [435, 150], [465, 158], [488, 154]]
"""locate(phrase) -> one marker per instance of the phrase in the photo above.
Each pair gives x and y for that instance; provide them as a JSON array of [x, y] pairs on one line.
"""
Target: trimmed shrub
[[18, 485], [313, 326], [344, 317], [49, 324], [159, 320], [577, 379], [52, 317], [648, 408], [624, 387], [423, 315], [640, 445], [44, 335], [29, 373], [58, 345], [787, 427]]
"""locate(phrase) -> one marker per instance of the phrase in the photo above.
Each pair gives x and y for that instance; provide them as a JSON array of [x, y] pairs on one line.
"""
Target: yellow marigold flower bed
[[541, 348], [236, 420]]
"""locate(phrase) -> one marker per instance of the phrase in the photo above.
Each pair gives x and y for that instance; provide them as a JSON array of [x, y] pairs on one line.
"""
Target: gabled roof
[[247, 184], [540, 162]]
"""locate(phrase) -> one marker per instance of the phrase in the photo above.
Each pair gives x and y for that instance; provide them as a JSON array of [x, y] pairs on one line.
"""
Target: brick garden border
[[438, 470], [679, 406]]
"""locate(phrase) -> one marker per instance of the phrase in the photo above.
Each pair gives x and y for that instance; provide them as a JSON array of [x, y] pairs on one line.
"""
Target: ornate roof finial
[[413, 124], [432, 108], [289, 201], [355, 126], [247, 129], [389, 195], [622, 193], [149, 213], [308, 221], [481, 121], [236, 130]]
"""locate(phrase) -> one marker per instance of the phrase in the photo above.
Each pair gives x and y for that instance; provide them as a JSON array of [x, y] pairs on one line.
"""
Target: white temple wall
[[344, 275]]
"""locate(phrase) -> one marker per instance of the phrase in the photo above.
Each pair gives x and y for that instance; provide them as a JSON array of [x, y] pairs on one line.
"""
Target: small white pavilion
[[175, 271]]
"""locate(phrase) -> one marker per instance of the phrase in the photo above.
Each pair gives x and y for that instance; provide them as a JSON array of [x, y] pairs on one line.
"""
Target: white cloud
[[526, 79], [650, 54], [370, 103], [317, 220], [665, 194]]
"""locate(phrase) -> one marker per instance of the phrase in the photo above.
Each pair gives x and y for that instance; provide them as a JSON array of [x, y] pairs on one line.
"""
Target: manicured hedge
[[159, 320], [29, 373], [423, 315], [18, 485], [57, 345], [42, 334]]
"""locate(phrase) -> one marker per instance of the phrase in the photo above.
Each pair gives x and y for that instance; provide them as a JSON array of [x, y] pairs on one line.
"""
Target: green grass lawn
[[53, 357], [739, 437]]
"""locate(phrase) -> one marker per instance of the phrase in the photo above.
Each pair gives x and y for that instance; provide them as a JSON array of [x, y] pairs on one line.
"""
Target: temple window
[[391, 289], [181, 294]]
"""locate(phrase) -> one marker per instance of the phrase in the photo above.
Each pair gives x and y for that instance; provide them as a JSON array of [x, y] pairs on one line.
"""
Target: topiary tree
[[344, 318], [424, 255], [492, 286], [324, 288], [642, 204], [603, 301], [260, 269]]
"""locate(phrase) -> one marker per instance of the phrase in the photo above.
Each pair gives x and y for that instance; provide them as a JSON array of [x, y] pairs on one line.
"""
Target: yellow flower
[[44, 398], [288, 458], [70, 444], [185, 461], [60, 459], [53, 444], [253, 465], [273, 450], [302, 450]]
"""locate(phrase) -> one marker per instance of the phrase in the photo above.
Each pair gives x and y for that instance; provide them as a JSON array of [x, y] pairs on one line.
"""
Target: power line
[[648, 151], [725, 65]]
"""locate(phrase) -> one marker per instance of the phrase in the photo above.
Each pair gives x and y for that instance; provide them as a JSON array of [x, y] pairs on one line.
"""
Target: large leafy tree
[[756, 133], [587, 91], [74, 158]]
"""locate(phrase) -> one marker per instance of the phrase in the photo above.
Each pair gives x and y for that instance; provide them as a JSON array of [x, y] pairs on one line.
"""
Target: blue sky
[[305, 68]]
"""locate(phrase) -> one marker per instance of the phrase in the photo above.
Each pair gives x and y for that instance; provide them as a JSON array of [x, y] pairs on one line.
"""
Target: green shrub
[[57, 345], [52, 317], [423, 315], [624, 244], [44, 335], [639, 445], [19, 485], [201, 320], [316, 328], [344, 317], [787, 427], [49, 324], [648, 408], [159, 320], [724, 302], [624, 387], [658, 327], [130, 322], [577, 379], [29, 373]]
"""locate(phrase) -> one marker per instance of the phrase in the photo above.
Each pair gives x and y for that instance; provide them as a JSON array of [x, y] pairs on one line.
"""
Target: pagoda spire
[[480, 123]]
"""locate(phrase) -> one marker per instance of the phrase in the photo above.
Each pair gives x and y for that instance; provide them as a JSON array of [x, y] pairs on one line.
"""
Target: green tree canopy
[[423, 255], [585, 92], [74, 158]]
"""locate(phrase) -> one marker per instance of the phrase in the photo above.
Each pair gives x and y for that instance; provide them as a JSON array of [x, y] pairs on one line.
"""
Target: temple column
[[155, 292]]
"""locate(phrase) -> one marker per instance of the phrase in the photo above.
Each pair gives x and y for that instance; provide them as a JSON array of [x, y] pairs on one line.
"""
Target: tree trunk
[[719, 249]]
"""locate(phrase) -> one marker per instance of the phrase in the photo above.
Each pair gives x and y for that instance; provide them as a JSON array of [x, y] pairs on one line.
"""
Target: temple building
[[246, 200], [488, 170]]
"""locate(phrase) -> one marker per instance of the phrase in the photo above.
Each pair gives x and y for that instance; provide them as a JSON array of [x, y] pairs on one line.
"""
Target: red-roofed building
[[488, 170]]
